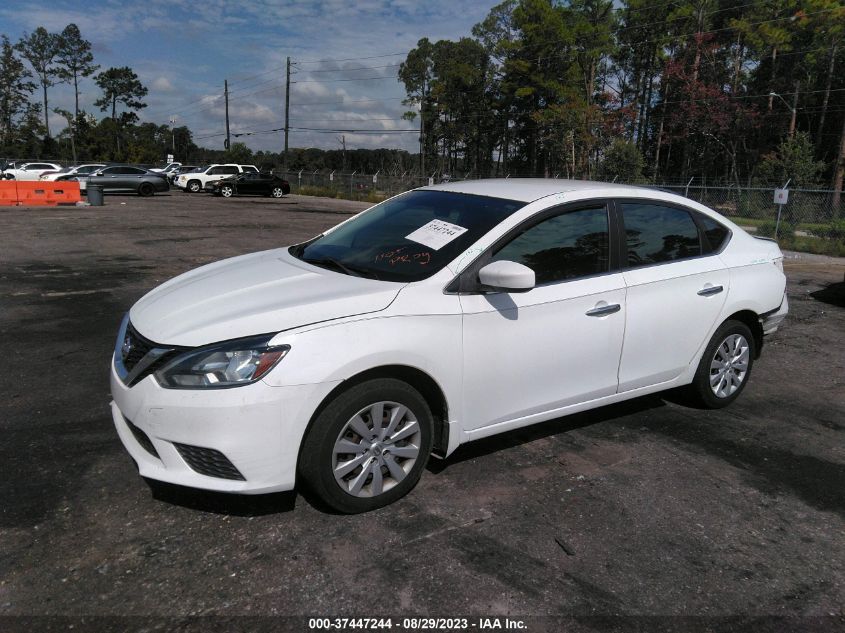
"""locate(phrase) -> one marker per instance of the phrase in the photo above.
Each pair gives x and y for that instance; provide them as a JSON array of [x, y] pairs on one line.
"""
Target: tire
[[725, 366], [371, 474], [277, 192], [193, 186], [227, 191], [146, 189]]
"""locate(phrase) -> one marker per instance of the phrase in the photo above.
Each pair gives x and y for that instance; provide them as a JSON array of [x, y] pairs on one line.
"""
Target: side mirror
[[507, 276]]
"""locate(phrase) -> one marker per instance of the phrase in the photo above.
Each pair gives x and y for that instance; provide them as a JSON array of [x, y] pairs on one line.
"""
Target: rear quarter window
[[715, 234]]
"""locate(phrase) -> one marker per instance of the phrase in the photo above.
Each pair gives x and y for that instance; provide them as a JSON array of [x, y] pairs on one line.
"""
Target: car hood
[[253, 294]]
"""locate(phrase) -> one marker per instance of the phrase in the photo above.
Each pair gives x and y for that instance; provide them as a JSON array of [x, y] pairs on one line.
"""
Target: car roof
[[530, 189]]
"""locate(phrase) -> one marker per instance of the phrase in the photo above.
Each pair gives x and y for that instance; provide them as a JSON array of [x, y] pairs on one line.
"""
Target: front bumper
[[257, 427]]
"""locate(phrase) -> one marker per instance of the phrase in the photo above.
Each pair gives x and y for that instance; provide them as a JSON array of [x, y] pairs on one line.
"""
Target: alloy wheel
[[729, 365], [376, 449]]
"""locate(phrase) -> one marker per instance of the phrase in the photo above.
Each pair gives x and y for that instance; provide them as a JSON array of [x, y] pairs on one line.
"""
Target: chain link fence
[[813, 220]]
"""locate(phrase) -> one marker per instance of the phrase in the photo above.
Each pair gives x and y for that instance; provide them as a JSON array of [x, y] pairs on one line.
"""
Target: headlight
[[229, 364]]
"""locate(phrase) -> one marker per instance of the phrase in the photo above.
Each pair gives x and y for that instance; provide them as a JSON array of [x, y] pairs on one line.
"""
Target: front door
[[556, 345]]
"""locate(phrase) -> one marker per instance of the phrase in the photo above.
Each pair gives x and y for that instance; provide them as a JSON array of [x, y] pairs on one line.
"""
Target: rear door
[[676, 285], [248, 183], [128, 178]]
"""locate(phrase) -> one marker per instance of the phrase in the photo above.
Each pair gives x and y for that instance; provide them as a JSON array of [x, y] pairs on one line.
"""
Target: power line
[[349, 59], [338, 70], [349, 101], [326, 81]]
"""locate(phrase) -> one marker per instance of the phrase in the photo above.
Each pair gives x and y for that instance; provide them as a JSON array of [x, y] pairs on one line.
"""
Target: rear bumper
[[770, 321]]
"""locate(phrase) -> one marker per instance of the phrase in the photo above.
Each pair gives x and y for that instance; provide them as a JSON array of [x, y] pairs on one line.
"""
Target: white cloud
[[162, 84]]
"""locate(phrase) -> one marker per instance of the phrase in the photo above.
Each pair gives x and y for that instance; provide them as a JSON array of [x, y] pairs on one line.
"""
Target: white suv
[[195, 181]]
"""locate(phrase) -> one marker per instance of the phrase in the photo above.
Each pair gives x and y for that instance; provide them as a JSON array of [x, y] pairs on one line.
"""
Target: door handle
[[712, 290], [604, 310]]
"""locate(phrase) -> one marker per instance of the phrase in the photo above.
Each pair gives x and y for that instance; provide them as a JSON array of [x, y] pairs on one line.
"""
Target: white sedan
[[72, 173], [440, 316], [30, 171]]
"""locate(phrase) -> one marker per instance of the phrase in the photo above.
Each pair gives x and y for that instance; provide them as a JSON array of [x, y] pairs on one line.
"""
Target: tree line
[[32, 66], [724, 91], [66, 57], [739, 92]]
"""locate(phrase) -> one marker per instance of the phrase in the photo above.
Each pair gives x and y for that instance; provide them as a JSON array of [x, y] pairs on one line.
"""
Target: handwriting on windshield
[[400, 256]]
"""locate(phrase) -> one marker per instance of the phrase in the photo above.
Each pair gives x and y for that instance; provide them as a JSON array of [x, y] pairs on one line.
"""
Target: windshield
[[408, 238]]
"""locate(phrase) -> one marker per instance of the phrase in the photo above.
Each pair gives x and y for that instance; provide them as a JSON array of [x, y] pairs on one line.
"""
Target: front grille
[[208, 461], [139, 347], [142, 438]]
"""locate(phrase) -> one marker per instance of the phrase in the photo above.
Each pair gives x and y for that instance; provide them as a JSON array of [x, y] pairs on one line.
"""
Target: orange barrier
[[8, 193], [39, 193]]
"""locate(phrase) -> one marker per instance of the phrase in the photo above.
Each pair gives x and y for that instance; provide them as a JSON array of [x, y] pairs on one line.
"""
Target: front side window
[[407, 238], [565, 246], [657, 234]]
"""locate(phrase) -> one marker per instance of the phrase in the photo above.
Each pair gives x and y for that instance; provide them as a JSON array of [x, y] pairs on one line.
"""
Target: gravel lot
[[646, 515]]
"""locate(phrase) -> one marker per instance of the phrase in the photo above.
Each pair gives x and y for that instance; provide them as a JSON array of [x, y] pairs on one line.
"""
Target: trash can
[[95, 195]]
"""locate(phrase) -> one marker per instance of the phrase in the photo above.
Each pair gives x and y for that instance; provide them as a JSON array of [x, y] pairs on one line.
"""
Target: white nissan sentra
[[440, 316]]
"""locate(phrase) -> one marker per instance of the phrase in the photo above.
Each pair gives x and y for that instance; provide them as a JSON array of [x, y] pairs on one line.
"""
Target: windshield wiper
[[355, 271]]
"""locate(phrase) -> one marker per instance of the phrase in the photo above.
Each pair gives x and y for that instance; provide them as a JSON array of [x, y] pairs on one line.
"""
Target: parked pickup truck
[[195, 181]]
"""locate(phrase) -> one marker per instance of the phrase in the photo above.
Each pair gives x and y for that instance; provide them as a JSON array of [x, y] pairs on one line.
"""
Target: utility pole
[[173, 134], [287, 114], [343, 143], [839, 173], [792, 121], [226, 95], [422, 131]]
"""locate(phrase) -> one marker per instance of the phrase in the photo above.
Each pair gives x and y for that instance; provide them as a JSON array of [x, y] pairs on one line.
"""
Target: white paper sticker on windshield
[[436, 234]]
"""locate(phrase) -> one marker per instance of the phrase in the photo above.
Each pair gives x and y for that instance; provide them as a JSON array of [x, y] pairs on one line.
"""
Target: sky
[[345, 59]]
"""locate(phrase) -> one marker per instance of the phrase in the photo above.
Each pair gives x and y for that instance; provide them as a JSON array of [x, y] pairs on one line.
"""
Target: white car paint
[[80, 170], [502, 360], [167, 169], [30, 171], [210, 173]]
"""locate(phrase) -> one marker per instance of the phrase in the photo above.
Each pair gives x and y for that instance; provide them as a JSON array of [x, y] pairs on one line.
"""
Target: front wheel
[[277, 192], [368, 447], [725, 367], [146, 189], [226, 191], [194, 186]]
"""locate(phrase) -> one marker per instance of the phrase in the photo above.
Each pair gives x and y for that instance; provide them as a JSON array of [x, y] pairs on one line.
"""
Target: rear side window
[[566, 246], [249, 168], [715, 234], [658, 234]]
